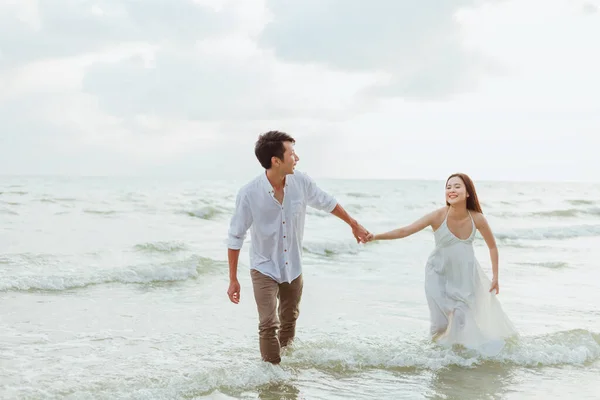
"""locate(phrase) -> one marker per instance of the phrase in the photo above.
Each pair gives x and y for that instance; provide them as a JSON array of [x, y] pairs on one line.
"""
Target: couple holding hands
[[462, 301]]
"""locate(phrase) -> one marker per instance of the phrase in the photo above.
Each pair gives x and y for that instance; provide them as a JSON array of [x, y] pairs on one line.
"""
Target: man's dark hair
[[270, 144]]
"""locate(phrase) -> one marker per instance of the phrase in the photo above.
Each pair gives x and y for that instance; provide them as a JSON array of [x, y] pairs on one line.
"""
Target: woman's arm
[[405, 231], [482, 225]]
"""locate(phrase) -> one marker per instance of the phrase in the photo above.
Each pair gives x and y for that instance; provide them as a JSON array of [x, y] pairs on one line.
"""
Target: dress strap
[[474, 228]]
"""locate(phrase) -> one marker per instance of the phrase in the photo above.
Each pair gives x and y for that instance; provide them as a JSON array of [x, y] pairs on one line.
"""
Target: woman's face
[[456, 192]]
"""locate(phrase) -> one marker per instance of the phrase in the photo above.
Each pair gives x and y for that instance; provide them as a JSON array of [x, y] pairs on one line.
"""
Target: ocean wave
[[547, 264], [350, 355], [175, 271], [592, 211], [559, 232], [132, 197], [340, 357], [211, 381], [317, 213], [252, 375], [330, 249], [56, 200], [11, 203], [575, 347], [571, 212], [568, 213], [99, 212], [28, 259], [581, 202], [352, 207], [8, 212], [363, 195], [556, 213], [161, 247], [208, 213]]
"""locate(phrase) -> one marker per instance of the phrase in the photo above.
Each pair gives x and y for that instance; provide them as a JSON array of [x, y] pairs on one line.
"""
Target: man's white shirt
[[276, 230]]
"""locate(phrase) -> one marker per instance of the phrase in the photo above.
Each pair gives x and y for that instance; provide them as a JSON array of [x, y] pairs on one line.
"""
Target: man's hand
[[360, 233], [234, 291]]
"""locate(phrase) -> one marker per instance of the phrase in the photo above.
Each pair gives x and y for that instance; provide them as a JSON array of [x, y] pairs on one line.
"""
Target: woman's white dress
[[462, 309]]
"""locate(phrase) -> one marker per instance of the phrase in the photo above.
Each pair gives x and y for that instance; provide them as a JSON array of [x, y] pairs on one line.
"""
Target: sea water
[[115, 288]]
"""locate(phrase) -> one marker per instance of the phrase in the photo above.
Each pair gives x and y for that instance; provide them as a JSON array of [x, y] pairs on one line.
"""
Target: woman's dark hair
[[472, 200]]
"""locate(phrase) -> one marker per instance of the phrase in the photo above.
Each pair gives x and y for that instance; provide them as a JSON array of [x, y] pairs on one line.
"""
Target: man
[[273, 206]]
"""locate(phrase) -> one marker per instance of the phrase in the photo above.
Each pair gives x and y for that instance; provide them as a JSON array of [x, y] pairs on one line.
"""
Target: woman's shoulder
[[439, 212], [478, 217], [437, 216]]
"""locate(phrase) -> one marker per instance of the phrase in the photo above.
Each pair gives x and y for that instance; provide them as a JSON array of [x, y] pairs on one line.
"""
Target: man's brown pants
[[277, 325]]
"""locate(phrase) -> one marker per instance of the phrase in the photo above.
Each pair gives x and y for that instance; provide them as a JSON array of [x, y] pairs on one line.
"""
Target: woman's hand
[[495, 286]]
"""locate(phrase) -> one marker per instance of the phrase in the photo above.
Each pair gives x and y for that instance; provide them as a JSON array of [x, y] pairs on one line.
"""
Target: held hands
[[495, 286], [360, 233]]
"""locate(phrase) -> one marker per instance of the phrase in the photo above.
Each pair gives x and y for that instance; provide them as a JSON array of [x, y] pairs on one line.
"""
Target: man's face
[[290, 158]]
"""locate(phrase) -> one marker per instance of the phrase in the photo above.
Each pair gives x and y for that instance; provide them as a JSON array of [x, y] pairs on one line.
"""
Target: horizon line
[[190, 176]]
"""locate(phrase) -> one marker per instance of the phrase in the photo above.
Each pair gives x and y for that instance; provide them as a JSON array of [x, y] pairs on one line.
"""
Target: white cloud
[[67, 28], [419, 44], [536, 118], [61, 75], [550, 54], [500, 89], [53, 81], [24, 11], [590, 8]]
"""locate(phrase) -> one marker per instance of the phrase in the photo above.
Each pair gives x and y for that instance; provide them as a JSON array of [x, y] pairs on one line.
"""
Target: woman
[[462, 301]]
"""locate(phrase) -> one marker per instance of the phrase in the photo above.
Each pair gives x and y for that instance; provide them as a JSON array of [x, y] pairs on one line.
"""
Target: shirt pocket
[[298, 208]]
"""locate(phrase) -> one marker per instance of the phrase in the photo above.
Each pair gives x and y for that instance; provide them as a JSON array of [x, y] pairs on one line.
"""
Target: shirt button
[[284, 237], [285, 250], [284, 222]]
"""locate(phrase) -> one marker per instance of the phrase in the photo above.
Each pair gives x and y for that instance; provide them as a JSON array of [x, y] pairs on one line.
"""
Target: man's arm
[[233, 256], [240, 223], [359, 232], [234, 285], [321, 200]]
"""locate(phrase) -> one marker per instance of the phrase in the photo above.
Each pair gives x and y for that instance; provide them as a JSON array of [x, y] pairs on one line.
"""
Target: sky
[[384, 89]]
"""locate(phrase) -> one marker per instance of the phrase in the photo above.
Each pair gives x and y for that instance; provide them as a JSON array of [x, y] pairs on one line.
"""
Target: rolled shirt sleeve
[[240, 222], [318, 198]]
